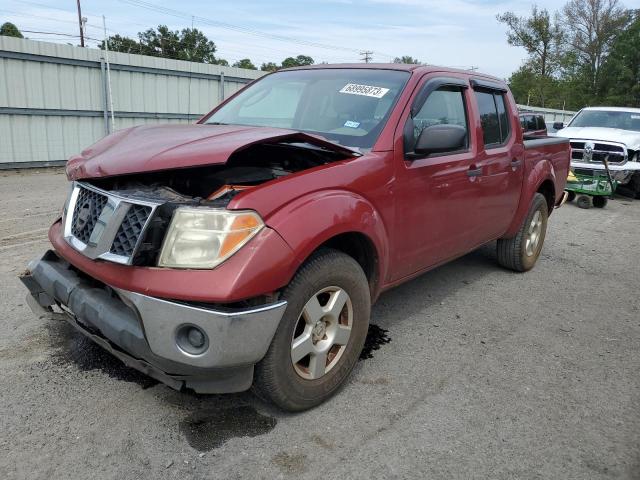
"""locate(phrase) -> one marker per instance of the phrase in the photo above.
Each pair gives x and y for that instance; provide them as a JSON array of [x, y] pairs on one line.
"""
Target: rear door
[[500, 161]]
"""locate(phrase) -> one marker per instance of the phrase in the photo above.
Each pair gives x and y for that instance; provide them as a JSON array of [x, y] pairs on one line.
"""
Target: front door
[[434, 195]]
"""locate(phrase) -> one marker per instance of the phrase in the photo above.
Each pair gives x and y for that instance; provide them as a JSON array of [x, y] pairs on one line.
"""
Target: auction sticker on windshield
[[366, 90]]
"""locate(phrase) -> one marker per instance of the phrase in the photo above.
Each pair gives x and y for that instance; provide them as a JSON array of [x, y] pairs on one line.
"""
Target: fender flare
[[313, 219], [542, 171]]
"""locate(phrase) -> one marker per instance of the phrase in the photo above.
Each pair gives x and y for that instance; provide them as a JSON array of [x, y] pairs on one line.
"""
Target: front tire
[[521, 252], [321, 334]]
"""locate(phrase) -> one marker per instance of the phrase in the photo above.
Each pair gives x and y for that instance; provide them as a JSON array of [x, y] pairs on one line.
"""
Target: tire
[[600, 201], [520, 253], [634, 185], [571, 196], [584, 201], [305, 384]]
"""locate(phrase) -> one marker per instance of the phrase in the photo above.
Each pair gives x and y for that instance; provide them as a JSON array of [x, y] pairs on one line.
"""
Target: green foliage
[[406, 59], [188, 44], [268, 67], [299, 61], [589, 54], [8, 29], [244, 63], [621, 71], [538, 34]]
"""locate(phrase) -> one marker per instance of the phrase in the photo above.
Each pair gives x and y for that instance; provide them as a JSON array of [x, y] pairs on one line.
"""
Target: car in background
[[533, 125], [551, 128], [597, 133]]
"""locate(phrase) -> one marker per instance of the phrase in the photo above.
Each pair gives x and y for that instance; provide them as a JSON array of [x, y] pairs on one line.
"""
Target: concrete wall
[[54, 98]]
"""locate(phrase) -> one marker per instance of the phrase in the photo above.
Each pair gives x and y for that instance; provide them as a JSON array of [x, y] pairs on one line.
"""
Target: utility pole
[[366, 56], [81, 24]]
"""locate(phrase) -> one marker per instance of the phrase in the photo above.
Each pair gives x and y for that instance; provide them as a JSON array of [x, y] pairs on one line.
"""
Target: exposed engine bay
[[216, 185]]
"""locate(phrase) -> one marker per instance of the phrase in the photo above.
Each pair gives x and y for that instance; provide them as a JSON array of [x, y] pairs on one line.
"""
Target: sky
[[455, 33]]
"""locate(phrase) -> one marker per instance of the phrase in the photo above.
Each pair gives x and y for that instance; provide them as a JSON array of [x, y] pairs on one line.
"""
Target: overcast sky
[[460, 33]]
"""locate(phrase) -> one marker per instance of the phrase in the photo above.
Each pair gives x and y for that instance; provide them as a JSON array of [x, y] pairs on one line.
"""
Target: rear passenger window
[[494, 118]]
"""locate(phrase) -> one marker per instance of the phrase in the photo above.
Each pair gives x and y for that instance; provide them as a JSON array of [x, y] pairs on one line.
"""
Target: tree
[[592, 26], [620, 75], [189, 44], [268, 67], [406, 59], [118, 43], [244, 63], [538, 35], [8, 29], [299, 61]]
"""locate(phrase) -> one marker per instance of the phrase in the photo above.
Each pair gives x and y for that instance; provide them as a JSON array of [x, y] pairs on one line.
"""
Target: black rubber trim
[[544, 141], [477, 83]]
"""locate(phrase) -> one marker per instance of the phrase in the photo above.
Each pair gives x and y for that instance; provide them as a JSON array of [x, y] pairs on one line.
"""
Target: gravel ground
[[487, 374]]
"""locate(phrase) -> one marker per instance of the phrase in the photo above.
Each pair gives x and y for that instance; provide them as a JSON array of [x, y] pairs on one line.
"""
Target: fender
[[541, 171], [325, 214]]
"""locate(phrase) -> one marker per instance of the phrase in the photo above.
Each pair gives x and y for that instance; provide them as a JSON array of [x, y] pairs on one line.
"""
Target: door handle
[[515, 163], [474, 172]]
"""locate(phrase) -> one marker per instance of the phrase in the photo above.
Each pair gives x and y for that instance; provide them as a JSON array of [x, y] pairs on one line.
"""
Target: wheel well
[[362, 249], [548, 189]]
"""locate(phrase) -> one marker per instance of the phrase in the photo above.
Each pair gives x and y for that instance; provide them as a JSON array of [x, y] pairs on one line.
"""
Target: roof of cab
[[396, 66]]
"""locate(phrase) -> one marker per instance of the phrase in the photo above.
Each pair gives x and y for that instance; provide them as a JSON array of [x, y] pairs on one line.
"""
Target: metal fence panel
[[53, 96]]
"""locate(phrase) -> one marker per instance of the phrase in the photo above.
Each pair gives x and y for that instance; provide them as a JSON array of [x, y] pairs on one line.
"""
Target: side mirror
[[440, 139], [558, 125]]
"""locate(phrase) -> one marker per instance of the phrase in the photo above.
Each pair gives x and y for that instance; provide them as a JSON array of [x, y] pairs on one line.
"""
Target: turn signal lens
[[206, 237]]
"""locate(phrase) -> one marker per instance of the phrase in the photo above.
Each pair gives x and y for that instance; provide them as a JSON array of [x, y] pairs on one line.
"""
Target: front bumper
[[142, 330]]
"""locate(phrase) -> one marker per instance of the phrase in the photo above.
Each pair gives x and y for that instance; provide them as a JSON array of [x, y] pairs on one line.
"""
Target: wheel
[[321, 334], [571, 196], [600, 201], [584, 201], [521, 252]]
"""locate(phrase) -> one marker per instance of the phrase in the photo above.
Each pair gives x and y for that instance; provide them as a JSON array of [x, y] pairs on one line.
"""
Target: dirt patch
[[290, 463]]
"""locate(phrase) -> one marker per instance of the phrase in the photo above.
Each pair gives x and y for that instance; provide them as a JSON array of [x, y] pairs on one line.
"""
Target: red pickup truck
[[247, 249]]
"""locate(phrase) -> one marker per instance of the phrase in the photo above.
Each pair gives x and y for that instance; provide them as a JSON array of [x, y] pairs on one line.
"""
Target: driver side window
[[444, 106]]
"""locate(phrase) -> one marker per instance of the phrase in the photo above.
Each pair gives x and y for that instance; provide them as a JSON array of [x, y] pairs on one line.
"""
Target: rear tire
[[521, 252], [600, 201], [325, 338], [571, 196], [584, 201]]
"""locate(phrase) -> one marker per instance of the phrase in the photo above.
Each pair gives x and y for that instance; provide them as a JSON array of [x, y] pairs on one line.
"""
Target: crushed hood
[[155, 148], [629, 138]]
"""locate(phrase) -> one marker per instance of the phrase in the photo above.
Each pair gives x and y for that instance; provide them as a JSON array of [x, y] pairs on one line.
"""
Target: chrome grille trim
[[106, 227], [617, 151]]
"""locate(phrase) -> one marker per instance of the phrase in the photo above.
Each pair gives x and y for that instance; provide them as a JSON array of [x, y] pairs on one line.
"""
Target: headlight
[[206, 237]]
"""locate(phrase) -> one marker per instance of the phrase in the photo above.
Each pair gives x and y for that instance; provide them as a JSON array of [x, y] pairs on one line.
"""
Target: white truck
[[598, 132]]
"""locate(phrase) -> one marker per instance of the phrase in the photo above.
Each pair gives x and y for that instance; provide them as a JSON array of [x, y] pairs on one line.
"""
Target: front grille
[[600, 151], [88, 208], [130, 229], [106, 225]]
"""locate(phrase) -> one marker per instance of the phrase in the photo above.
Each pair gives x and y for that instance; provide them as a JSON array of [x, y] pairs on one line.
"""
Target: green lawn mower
[[591, 190]]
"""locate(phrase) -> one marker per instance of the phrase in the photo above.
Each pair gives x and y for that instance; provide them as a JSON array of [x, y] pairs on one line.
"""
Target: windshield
[[607, 119], [347, 106]]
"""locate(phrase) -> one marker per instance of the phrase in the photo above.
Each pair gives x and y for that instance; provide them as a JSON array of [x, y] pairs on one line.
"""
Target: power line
[[228, 26], [366, 56]]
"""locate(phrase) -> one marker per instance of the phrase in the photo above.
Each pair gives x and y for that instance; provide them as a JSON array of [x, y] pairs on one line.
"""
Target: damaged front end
[[126, 218]]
